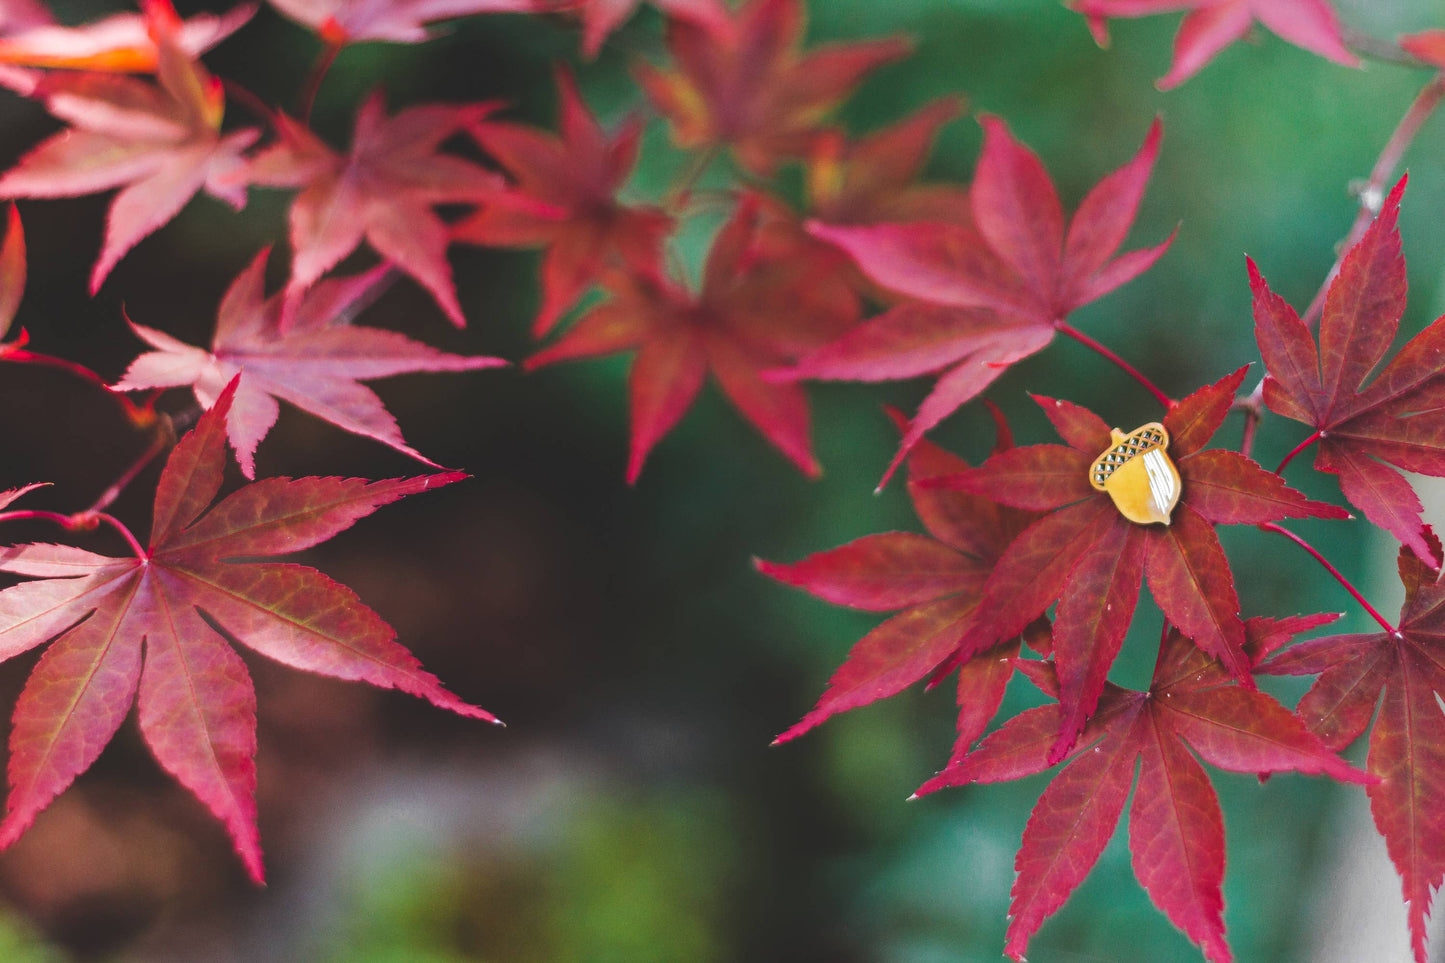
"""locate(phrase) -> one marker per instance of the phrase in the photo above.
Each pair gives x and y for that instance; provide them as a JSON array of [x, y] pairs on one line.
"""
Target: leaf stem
[[79, 522], [319, 70], [1339, 577], [161, 437], [681, 192], [119, 526], [1369, 47], [1065, 328], [1372, 191], [1316, 436], [245, 98], [17, 352]]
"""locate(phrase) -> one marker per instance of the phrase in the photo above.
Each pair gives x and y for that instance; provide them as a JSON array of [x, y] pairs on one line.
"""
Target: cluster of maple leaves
[[1022, 553]]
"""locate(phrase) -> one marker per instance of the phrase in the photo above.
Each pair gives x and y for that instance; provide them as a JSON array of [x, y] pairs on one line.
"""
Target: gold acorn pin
[[1138, 475]]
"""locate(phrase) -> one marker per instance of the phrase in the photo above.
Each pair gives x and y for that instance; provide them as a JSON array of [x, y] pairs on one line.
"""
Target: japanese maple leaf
[[1399, 417], [121, 42], [601, 17], [341, 22], [159, 143], [936, 580], [875, 179], [765, 299], [989, 292], [383, 190], [750, 88], [1176, 831], [154, 629], [1086, 556], [1212, 25], [306, 353], [565, 199], [1397, 673]]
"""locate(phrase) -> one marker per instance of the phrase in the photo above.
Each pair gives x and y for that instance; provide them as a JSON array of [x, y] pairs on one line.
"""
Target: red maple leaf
[[162, 143], [565, 199], [341, 22], [1212, 25], [306, 352], [765, 299], [1176, 830], [750, 88], [153, 629], [601, 17], [990, 291], [1398, 673], [383, 190], [935, 579], [121, 42], [1088, 557], [1399, 417], [874, 179]]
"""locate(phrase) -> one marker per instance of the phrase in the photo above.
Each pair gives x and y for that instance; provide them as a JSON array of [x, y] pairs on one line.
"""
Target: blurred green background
[[633, 810]]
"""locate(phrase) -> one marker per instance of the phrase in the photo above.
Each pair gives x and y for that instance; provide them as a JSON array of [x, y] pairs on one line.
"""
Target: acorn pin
[[1138, 475]]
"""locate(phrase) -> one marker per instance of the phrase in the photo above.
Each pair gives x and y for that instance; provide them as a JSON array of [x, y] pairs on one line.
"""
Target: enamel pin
[[1137, 474]]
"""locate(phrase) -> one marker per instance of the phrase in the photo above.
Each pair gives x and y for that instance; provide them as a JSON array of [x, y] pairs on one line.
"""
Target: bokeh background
[[633, 811]]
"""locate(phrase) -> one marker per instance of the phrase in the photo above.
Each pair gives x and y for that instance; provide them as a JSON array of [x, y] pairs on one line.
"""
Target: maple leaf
[[341, 22], [306, 353], [565, 199], [935, 579], [1088, 557], [160, 143], [765, 299], [1176, 831], [153, 629], [990, 291], [1399, 672], [1212, 25], [121, 42], [1399, 417], [383, 190], [601, 17], [874, 179], [750, 88]]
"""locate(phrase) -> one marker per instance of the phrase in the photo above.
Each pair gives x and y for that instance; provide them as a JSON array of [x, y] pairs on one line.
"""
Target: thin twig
[[1339, 577], [1370, 193]]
